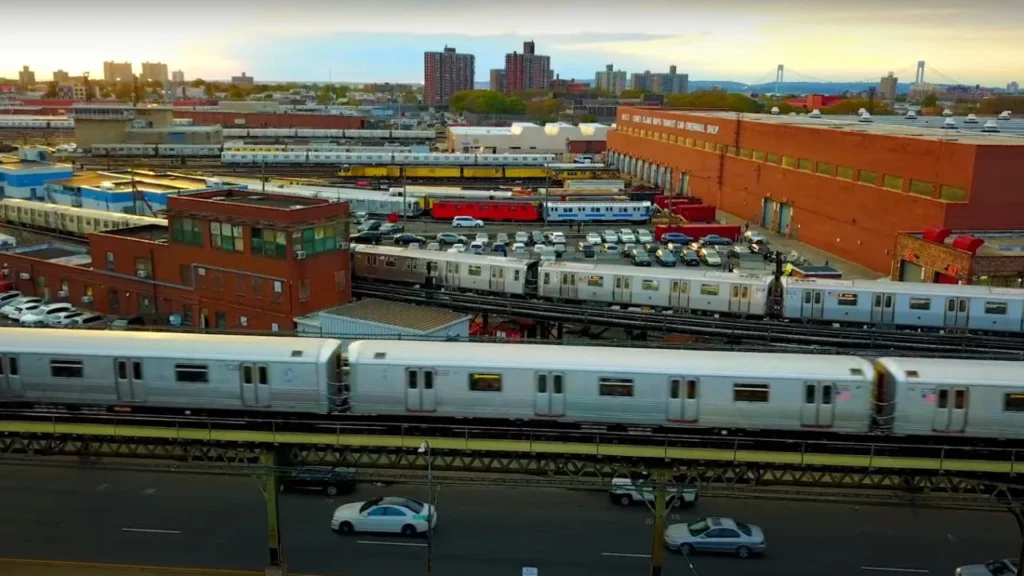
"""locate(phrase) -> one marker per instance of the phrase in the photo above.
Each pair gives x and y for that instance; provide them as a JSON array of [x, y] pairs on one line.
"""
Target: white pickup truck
[[626, 491]]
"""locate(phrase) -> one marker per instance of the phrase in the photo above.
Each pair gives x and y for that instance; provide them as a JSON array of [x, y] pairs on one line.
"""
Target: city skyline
[[741, 40]]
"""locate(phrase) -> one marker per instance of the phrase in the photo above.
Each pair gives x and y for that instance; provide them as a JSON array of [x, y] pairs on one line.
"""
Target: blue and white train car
[[616, 386], [480, 273], [598, 211]]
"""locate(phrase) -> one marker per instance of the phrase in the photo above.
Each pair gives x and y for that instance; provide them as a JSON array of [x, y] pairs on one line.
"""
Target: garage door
[[910, 272]]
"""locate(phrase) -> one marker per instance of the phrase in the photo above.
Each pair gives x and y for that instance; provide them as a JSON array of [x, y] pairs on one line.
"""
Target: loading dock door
[[768, 214], [785, 216]]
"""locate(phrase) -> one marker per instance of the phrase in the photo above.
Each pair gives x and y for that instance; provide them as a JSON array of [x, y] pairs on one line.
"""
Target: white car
[[519, 248], [458, 248], [626, 235], [12, 304], [644, 236], [558, 238], [483, 238], [477, 247], [626, 491], [501, 238], [594, 239], [88, 320], [23, 309], [610, 236], [10, 296], [467, 222], [66, 318], [393, 515], [41, 314], [522, 238]]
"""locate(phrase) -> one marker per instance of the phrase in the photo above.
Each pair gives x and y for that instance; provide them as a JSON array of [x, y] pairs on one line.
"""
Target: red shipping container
[[698, 231], [487, 210], [666, 201], [695, 212]]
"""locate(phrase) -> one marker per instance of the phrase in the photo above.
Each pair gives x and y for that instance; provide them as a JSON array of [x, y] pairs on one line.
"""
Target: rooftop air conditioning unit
[[300, 254], [142, 273], [86, 299], [25, 276]]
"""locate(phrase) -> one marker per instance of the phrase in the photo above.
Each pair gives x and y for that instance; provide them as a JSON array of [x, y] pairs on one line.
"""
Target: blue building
[[142, 193], [26, 176]]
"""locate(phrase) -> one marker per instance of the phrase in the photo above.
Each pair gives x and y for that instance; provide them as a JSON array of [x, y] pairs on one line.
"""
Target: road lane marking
[[884, 569], [622, 555], [382, 543], [151, 531]]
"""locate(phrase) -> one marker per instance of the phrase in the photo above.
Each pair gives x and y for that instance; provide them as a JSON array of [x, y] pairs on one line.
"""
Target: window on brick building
[[240, 282], [892, 182], [774, 158], [113, 301], [146, 305], [143, 267], [318, 239], [825, 169], [186, 315], [278, 289], [746, 153], [759, 155], [187, 231], [110, 260], [303, 290], [844, 172], [220, 320], [789, 162], [185, 271], [243, 321], [952, 194], [257, 286], [218, 280], [227, 236], [922, 188], [805, 164], [868, 177], [268, 242]]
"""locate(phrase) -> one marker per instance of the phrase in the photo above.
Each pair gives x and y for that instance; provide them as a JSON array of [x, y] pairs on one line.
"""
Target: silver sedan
[[720, 535]]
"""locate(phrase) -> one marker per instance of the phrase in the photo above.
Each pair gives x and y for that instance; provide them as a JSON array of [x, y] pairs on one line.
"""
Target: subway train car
[[459, 271], [68, 219]]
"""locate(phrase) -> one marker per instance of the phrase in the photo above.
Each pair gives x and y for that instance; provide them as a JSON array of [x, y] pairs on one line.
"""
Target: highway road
[[218, 522]]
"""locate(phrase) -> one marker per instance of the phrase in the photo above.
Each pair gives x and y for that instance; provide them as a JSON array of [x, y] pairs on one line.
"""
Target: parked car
[[321, 478], [450, 238], [610, 249], [435, 246], [390, 229], [460, 247], [559, 249], [760, 247], [641, 258], [537, 237], [716, 535], [22, 309], [675, 248], [753, 236], [65, 318], [675, 238], [628, 250], [369, 225], [710, 257], [715, 240], [483, 238], [519, 249], [522, 238], [644, 236], [89, 320], [9, 296], [690, 258], [501, 238], [1005, 567], [499, 248], [394, 515], [406, 239], [124, 323], [610, 236], [627, 491], [557, 238], [15, 302], [361, 217], [41, 314], [477, 247], [588, 251], [594, 238], [467, 222], [548, 254], [626, 236], [365, 237], [665, 257]]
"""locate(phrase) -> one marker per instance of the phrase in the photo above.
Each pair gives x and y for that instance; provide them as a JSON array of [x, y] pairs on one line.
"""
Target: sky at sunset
[[307, 40]]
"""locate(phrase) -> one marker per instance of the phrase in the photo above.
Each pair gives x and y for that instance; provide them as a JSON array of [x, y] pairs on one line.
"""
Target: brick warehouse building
[[845, 187], [228, 259]]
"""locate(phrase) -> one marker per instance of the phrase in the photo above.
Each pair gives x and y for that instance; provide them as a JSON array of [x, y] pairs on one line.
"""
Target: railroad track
[[729, 330]]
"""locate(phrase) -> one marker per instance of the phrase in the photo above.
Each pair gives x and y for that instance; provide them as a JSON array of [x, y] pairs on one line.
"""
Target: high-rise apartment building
[[74, 91], [497, 80], [887, 88], [611, 80], [178, 77], [1013, 87], [445, 73], [668, 83], [527, 71], [61, 76], [154, 72], [114, 72], [26, 76], [243, 81]]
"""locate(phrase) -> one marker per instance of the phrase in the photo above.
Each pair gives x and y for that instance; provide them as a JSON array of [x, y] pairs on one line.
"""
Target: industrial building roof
[[58, 252], [1011, 132], [398, 314], [586, 131], [145, 181], [997, 242]]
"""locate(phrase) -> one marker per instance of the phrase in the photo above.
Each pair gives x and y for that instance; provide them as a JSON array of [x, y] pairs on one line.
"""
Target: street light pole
[[425, 449]]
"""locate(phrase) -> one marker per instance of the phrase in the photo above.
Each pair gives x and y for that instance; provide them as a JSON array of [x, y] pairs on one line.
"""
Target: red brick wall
[[254, 120]]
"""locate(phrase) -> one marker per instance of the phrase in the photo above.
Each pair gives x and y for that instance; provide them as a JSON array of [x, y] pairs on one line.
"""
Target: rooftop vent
[[949, 124], [911, 115], [971, 119], [865, 117], [990, 126], [947, 112], [1005, 115], [775, 110]]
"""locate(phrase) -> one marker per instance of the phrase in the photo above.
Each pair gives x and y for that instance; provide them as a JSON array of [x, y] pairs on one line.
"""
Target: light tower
[[778, 78], [919, 79]]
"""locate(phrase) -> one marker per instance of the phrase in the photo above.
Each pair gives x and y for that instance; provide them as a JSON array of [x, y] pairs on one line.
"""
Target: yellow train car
[[371, 172], [68, 219], [531, 172], [491, 172], [587, 174], [433, 172]]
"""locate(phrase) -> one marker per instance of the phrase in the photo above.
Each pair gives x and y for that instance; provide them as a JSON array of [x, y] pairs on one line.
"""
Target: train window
[[515, 276], [810, 394], [847, 299], [951, 305], [557, 380], [735, 291], [685, 287], [615, 386], [817, 297], [66, 368], [1013, 402], [709, 289], [428, 379], [122, 370], [542, 383], [943, 398], [191, 373], [413, 380], [674, 392], [475, 270], [746, 292], [262, 375], [595, 281], [136, 370], [246, 374], [12, 366], [998, 308], [826, 394], [547, 278], [480, 382], [888, 301], [959, 399], [390, 263], [920, 303], [691, 389], [963, 307], [675, 287], [618, 282], [750, 393]]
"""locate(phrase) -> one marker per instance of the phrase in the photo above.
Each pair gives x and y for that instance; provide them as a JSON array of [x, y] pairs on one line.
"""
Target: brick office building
[[228, 259]]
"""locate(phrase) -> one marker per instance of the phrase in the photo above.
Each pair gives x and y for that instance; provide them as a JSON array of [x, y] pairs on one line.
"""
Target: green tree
[[853, 105], [197, 83], [999, 104], [631, 94], [51, 90], [588, 119], [486, 102], [930, 101], [124, 92], [235, 93], [714, 100], [410, 98], [543, 111], [324, 96]]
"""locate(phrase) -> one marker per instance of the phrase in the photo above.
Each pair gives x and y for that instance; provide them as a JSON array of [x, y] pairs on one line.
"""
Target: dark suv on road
[[331, 480]]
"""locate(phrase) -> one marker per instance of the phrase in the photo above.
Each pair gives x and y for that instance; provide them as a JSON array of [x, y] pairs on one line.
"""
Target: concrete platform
[[817, 257], [18, 567]]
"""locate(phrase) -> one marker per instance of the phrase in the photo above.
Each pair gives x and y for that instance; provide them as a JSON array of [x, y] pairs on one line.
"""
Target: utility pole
[[660, 478], [425, 449], [1018, 515]]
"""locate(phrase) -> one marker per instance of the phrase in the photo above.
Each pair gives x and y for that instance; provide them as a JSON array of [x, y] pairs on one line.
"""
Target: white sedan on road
[[403, 516]]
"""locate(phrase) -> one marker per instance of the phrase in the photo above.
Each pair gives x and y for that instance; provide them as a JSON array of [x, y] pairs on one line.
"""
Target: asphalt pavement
[[154, 518]]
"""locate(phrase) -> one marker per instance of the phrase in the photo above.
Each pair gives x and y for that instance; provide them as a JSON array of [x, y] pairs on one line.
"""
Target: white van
[[466, 222], [626, 491]]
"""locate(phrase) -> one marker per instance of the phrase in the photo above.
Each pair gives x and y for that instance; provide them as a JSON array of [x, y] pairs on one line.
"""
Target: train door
[[623, 290], [419, 390], [129, 380], [950, 409], [813, 304], [683, 403], [739, 299], [10, 379], [819, 404], [549, 394], [569, 287], [497, 279], [451, 277], [882, 308], [956, 312]]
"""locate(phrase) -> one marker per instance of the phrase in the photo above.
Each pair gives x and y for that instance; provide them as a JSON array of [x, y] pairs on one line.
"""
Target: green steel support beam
[[661, 478], [268, 460]]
